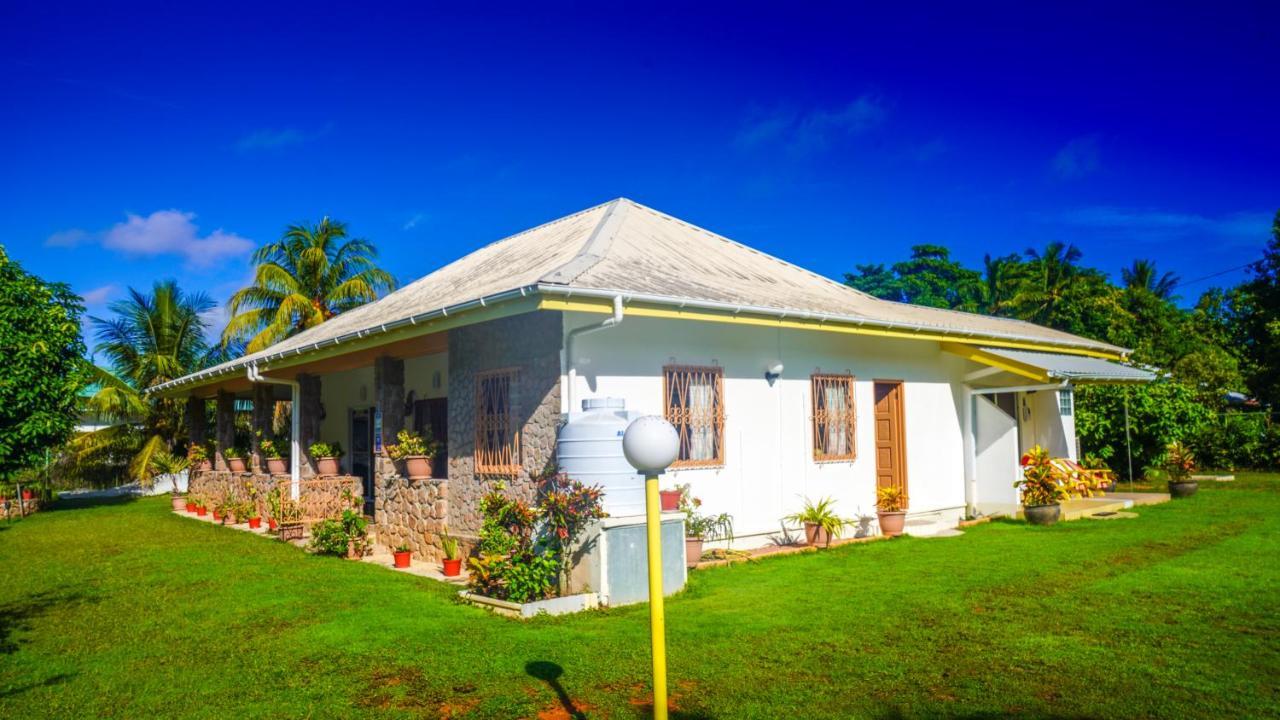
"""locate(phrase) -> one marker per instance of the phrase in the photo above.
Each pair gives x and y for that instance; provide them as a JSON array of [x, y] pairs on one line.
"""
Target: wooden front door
[[891, 437]]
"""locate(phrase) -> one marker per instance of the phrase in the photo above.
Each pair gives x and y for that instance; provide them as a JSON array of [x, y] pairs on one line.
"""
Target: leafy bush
[[1179, 462], [326, 450], [1159, 413], [271, 449], [523, 548], [890, 499], [333, 536], [1041, 483]]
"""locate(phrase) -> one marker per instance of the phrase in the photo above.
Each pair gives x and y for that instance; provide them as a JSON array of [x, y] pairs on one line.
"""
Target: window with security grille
[[1065, 400], [834, 417], [497, 449], [693, 400]]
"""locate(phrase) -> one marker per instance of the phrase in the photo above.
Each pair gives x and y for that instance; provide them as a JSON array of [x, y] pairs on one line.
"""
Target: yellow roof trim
[[654, 310], [969, 352]]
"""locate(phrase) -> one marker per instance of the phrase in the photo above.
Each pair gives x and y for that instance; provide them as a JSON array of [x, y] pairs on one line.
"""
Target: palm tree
[[152, 339], [999, 282], [1142, 275], [310, 274], [1051, 274]]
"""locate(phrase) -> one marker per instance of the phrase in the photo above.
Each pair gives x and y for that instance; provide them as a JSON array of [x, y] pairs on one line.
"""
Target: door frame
[[366, 483], [902, 434]]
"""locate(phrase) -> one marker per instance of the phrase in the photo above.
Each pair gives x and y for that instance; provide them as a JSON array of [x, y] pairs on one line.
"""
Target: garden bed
[[565, 605]]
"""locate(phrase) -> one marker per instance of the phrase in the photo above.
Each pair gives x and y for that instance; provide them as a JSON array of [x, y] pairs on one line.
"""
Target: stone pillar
[[388, 393], [264, 403], [226, 427], [308, 421], [197, 430]]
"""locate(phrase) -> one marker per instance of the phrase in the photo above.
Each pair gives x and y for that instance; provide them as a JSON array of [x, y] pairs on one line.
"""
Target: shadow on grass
[[18, 615], [550, 673], [82, 503], [48, 682]]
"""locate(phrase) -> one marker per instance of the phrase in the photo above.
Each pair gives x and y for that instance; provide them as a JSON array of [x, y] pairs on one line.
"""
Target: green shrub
[[1159, 413]]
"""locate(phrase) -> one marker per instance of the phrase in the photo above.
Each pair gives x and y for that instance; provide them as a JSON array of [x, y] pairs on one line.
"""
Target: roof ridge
[[594, 248]]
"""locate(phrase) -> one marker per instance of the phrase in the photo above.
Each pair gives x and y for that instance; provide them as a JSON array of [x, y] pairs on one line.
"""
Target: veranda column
[[264, 404], [197, 430], [225, 414], [388, 393], [308, 422]]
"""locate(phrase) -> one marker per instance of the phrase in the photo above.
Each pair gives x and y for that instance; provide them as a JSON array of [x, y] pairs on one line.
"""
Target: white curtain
[[702, 431], [836, 404]]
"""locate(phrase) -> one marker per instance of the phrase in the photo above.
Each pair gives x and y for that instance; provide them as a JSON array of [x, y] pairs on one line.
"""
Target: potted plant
[[670, 499], [199, 455], [891, 510], [699, 528], [415, 452], [1179, 463], [202, 507], [191, 504], [326, 456], [166, 463], [1042, 489], [403, 556], [273, 451], [821, 524], [347, 536], [273, 509], [235, 458], [452, 556]]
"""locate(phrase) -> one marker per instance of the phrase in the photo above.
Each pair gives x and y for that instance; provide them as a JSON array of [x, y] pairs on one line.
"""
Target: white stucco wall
[[1043, 424], [997, 454], [769, 467]]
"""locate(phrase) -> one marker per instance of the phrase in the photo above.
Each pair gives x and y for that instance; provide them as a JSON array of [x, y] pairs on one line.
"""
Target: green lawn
[[124, 610]]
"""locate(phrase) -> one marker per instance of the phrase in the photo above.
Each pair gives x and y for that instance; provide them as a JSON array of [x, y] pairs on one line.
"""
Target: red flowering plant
[[1179, 462], [1041, 483]]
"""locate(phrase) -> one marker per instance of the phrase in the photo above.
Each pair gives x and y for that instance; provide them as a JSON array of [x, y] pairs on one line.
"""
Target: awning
[[1047, 367]]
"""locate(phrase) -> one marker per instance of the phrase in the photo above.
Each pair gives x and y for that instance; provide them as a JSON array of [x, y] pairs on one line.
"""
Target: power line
[[1180, 283]]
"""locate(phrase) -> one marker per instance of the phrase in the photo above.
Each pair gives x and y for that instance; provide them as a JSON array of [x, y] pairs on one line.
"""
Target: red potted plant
[[326, 456], [452, 557], [403, 556], [191, 505], [670, 499], [1042, 488], [202, 508]]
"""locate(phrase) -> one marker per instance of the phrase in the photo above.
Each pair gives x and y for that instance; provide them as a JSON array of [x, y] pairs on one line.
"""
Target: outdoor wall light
[[773, 372]]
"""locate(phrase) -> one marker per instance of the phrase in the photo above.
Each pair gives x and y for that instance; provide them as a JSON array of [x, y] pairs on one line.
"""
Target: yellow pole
[[657, 620]]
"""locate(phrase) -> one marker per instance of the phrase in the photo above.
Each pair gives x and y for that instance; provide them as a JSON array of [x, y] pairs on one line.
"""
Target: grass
[[125, 610]]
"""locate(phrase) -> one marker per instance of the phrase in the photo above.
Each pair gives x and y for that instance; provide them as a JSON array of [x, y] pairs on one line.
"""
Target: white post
[[295, 451]]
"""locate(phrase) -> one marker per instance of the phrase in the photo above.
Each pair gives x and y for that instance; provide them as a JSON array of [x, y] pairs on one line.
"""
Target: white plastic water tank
[[589, 450]]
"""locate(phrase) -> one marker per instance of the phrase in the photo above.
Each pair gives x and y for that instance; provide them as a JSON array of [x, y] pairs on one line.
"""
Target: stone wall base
[[411, 512]]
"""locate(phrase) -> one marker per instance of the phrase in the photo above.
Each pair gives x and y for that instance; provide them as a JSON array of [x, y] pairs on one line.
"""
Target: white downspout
[[970, 452], [295, 426], [571, 370]]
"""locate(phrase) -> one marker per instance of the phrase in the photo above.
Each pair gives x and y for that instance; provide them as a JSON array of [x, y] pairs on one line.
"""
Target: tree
[[43, 369], [1251, 316], [930, 277], [310, 274], [152, 339], [1048, 280], [1000, 278], [1142, 275]]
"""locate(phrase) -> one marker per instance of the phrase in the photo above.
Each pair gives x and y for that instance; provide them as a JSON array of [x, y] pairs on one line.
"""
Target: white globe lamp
[[650, 444]]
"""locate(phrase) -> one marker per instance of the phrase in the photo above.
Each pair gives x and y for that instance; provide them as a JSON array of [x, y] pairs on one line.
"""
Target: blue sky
[[167, 139]]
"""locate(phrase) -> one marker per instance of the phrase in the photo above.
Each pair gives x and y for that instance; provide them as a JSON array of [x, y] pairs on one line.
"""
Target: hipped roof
[[628, 249]]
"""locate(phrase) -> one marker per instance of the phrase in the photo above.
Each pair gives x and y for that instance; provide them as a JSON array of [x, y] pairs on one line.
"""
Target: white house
[[784, 384]]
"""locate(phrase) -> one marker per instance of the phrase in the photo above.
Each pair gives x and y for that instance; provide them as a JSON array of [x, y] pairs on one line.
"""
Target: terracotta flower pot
[[179, 502], [277, 466], [403, 558], [272, 524], [814, 534], [891, 523], [1042, 514], [1183, 489], [255, 523], [417, 467], [191, 507], [452, 568], [670, 500], [352, 552], [201, 512], [236, 465], [327, 466], [217, 516], [692, 551]]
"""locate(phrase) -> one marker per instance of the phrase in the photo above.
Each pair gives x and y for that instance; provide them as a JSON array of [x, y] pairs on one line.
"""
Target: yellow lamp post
[[651, 444]]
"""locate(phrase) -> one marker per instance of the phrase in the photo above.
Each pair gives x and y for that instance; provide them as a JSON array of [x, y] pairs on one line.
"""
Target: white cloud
[[268, 139], [1078, 158], [1246, 228], [815, 129], [100, 295], [163, 232], [412, 222]]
